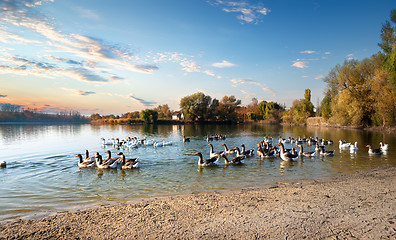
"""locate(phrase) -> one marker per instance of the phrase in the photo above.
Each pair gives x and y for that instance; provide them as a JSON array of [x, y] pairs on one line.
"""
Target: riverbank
[[362, 205]]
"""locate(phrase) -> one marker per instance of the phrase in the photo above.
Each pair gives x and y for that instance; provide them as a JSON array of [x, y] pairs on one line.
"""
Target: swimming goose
[[234, 161], [109, 160], [3, 164], [186, 139], [88, 158], [102, 165], [325, 153], [384, 147], [206, 163], [306, 154], [226, 150], [374, 151], [128, 163], [287, 156], [344, 145], [353, 148], [212, 153], [247, 153], [265, 153], [85, 164]]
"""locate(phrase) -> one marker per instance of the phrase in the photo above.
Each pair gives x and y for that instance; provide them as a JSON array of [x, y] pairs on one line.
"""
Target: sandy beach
[[361, 206]]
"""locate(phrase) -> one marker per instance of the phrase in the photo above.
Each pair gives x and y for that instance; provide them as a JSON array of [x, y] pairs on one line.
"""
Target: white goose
[[384, 147], [344, 145], [353, 148]]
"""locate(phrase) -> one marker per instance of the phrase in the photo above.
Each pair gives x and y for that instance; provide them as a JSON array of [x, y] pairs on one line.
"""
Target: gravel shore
[[361, 206]]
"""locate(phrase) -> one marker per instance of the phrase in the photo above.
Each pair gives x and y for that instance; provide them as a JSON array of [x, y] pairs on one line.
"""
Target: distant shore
[[361, 205]]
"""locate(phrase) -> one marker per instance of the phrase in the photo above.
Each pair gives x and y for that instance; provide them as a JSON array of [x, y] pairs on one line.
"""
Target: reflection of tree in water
[[17, 132]]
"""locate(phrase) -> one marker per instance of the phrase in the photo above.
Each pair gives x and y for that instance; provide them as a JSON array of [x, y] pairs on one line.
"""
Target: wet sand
[[361, 206]]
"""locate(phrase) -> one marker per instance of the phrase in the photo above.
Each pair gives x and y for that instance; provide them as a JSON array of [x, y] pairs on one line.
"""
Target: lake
[[42, 176]]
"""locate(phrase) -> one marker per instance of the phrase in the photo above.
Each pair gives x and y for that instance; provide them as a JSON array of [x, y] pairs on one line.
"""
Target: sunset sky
[[127, 55]]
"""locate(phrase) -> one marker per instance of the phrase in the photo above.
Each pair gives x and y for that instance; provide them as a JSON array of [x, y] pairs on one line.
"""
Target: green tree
[[196, 107], [388, 45], [267, 109], [149, 116]]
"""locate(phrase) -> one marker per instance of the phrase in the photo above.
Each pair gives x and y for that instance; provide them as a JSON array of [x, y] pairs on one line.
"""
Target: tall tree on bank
[[301, 110], [388, 46], [196, 106], [228, 108]]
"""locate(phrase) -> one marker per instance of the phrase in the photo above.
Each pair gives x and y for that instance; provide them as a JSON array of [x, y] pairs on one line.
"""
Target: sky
[[113, 57]]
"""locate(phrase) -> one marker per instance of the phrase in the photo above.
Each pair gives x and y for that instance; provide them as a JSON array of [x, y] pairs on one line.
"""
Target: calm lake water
[[42, 176]]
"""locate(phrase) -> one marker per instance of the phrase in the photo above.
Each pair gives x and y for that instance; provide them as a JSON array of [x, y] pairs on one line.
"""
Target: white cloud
[[300, 64], [223, 64], [244, 81], [308, 52], [327, 53], [269, 90], [350, 56], [319, 77], [247, 12]]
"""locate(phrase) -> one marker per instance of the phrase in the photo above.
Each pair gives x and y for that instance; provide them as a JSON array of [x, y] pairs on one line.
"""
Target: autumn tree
[[164, 111], [227, 108]]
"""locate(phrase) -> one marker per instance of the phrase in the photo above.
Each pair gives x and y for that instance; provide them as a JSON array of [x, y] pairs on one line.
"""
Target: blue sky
[[127, 55]]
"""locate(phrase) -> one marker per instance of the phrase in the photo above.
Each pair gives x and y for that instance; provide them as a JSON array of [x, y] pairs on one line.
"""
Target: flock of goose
[[232, 156]]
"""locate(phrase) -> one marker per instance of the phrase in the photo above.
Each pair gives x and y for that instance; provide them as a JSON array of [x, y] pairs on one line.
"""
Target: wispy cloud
[[319, 77], [269, 90], [308, 52], [327, 53], [246, 12], [87, 52], [87, 13], [244, 81], [350, 56], [300, 64], [141, 102], [249, 81], [3, 96], [79, 92], [223, 64]]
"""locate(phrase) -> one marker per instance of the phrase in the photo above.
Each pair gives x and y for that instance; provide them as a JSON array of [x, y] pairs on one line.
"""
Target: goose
[[110, 160], [88, 158], [384, 147], [85, 164], [186, 139], [234, 161], [106, 142], [206, 163], [374, 151], [247, 153], [343, 145], [102, 165], [306, 154], [287, 156], [353, 148], [3, 164], [226, 150], [208, 138], [212, 153], [325, 153], [128, 163], [265, 153]]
